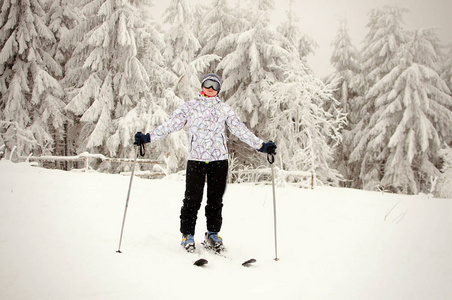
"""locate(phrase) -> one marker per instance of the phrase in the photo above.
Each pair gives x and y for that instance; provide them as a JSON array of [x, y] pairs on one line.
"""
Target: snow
[[59, 232]]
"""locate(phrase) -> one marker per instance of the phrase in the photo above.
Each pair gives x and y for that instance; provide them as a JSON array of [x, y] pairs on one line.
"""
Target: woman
[[207, 119]]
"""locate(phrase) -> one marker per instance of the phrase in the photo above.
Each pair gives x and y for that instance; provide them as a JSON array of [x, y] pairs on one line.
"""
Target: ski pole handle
[[142, 150], [270, 158], [271, 153]]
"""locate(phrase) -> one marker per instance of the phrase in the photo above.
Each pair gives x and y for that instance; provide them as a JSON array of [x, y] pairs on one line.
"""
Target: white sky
[[319, 19]]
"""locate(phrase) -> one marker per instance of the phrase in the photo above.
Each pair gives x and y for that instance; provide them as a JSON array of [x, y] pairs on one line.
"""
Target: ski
[[201, 262], [220, 252], [249, 262]]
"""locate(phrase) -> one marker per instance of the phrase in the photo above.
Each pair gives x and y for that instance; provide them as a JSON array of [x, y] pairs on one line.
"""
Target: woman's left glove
[[141, 138], [268, 147]]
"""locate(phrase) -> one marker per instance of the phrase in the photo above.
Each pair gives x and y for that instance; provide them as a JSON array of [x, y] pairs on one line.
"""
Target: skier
[[207, 118]]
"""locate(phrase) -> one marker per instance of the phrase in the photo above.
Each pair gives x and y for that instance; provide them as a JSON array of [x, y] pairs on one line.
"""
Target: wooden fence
[[86, 159], [299, 178], [302, 179]]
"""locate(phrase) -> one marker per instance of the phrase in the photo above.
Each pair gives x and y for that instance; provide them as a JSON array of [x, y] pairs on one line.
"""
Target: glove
[[268, 147], [141, 138]]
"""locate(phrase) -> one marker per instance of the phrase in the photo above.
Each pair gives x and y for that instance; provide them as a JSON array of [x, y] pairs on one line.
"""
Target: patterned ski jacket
[[207, 119]]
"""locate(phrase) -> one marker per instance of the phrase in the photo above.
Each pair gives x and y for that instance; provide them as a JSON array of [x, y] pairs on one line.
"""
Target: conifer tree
[[62, 16], [345, 59], [446, 74], [250, 70], [108, 76], [182, 48], [217, 24], [386, 35], [443, 187], [31, 96], [302, 127], [413, 115], [302, 43], [298, 119]]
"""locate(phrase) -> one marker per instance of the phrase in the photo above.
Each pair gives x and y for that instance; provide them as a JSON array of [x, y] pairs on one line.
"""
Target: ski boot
[[188, 242], [213, 241]]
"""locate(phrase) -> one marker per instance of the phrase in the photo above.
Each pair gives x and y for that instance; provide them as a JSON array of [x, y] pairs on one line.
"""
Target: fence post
[[312, 179]]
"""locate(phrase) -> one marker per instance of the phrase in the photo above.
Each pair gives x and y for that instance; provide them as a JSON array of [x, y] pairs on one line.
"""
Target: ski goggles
[[211, 84]]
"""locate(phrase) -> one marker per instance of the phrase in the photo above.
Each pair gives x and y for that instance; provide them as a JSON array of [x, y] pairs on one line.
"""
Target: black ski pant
[[197, 171]]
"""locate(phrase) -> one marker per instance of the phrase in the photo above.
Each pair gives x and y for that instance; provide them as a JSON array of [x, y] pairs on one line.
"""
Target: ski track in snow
[[59, 232]]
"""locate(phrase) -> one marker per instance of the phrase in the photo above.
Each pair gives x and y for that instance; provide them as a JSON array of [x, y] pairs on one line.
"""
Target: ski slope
[[59, 232]]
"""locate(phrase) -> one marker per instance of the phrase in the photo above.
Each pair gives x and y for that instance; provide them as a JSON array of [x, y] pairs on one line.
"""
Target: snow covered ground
[[59, 232]]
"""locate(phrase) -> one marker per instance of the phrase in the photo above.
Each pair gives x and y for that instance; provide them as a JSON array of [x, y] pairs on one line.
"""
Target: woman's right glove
[[268, 147], [141, 138]]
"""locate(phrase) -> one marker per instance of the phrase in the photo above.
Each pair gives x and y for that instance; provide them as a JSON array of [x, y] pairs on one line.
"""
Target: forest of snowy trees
[[85, 75]]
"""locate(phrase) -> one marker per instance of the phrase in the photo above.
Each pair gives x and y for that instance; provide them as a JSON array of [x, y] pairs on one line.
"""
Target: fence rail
[[86, 158], [305, 179]]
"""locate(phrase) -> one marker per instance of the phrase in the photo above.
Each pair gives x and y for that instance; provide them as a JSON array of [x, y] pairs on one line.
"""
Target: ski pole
[[128, 194], [271, 160]]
